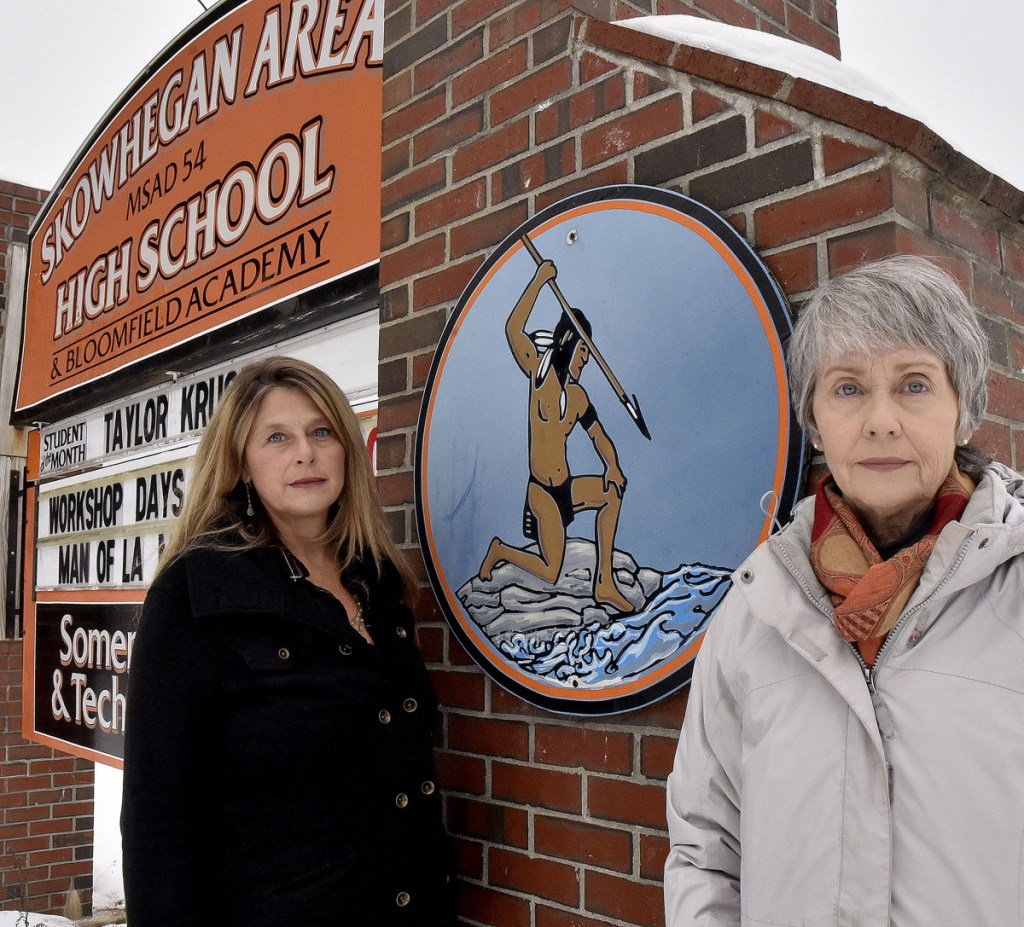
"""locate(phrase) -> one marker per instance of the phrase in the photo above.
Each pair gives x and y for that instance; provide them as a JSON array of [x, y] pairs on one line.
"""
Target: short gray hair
[[898, 302]]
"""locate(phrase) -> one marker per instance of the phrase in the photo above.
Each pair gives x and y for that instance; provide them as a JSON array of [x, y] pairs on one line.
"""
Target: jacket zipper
[[886, 727], [882, 716], [870, 673], [869, 676]]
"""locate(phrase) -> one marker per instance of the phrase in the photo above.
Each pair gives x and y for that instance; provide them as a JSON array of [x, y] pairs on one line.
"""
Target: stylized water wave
[[599, 653], [557, 631]]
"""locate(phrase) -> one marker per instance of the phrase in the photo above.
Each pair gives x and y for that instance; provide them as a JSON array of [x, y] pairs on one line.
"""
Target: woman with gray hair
[[853, 748]]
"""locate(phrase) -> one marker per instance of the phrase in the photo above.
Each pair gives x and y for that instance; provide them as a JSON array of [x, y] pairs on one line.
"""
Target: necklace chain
[[359, 624]]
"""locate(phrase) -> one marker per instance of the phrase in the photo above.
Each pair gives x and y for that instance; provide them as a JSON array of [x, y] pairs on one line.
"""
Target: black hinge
[[12, 594]]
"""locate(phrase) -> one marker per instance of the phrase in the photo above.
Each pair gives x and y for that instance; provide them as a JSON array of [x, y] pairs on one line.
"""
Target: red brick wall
[[18, 207], [46, 798], [493, 112], [46, 810]]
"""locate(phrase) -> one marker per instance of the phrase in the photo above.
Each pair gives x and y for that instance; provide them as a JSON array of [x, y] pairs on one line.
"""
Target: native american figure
[[558, 403]]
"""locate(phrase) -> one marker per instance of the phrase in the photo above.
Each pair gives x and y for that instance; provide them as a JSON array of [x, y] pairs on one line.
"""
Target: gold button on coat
[[384, 716], [345, 649], [402, 800], [401, 632], [284, 653], [428, 788], [402, 899], [410, 705]]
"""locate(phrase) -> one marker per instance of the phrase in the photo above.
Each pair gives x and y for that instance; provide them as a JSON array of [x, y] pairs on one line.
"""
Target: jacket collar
[[228, 582], [295, 567], [782, 591], [253, 582], [990, 532], [262, 581]]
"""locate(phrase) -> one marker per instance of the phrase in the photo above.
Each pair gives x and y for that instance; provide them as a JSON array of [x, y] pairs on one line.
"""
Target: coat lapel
[[253, 582]]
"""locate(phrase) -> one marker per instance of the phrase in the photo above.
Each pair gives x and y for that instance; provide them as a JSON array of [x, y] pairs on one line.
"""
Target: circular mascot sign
[[606, 433]]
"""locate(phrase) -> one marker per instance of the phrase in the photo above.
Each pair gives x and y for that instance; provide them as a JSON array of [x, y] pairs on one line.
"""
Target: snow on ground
[[21, 918], [108, 884]]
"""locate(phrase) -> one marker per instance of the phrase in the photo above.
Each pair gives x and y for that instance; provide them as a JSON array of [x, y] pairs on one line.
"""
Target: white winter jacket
[[809, 791]]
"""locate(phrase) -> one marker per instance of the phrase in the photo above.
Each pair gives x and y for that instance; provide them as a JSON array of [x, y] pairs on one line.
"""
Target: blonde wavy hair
[[213, 515]]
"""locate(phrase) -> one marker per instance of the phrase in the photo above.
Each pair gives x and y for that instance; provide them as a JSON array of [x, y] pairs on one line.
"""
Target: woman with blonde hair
[[279, 744]]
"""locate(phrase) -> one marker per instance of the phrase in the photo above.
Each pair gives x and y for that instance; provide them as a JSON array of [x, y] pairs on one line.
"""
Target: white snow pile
[[25, 919], [771, 51]]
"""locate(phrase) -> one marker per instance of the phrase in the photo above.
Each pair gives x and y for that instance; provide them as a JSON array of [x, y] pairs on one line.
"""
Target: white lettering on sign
[[76, 701], [172, 110], [91, 648], [276, 60], [94, 289], [288, 173], [311, 38]]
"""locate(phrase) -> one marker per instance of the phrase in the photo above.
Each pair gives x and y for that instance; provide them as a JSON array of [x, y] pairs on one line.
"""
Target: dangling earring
[[249, 510]]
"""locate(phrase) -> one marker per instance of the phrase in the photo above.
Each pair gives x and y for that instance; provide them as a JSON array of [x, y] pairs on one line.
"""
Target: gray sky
[[958, 62], [63, 63]]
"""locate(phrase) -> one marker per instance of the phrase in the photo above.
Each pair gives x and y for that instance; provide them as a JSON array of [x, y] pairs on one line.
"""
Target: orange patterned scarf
[[869, 593]]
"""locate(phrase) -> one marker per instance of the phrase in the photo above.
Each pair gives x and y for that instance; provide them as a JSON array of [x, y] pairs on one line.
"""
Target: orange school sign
[[242, 171]]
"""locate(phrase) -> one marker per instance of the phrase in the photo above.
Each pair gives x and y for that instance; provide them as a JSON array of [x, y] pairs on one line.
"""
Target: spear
[[632, 405]]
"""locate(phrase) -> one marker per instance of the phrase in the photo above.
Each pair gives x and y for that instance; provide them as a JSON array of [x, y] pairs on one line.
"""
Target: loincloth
[[561, 495]]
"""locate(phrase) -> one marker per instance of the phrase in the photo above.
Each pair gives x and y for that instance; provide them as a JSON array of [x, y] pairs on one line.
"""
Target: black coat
[[278, 769]]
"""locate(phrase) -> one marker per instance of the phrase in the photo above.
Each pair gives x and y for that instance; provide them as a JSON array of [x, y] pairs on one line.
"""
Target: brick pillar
[[494, 111], [556, 821], [18, 207], [46, 810]]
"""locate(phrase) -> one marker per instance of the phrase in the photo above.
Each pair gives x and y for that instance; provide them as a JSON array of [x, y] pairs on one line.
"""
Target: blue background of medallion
[[678, 329]]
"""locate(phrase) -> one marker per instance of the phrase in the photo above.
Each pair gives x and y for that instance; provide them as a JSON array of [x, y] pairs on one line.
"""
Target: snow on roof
[[771, 51], [802, 61]]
